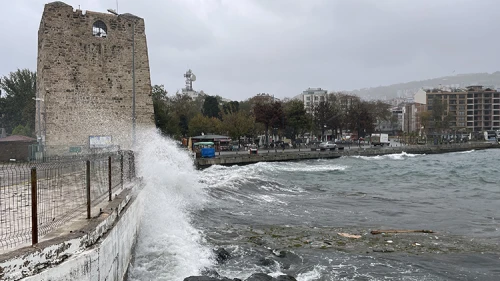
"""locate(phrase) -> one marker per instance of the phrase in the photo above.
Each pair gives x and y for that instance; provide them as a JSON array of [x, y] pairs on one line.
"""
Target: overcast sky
[[238, 48]]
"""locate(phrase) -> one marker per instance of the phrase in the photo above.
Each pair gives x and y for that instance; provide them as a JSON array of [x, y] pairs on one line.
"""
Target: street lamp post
[[133, 77]]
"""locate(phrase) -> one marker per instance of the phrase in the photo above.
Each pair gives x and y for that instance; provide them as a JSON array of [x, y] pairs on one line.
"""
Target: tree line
[[180, 116], [17, 102]]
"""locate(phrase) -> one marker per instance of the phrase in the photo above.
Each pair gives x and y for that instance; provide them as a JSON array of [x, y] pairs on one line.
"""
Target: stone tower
[[85, 80]]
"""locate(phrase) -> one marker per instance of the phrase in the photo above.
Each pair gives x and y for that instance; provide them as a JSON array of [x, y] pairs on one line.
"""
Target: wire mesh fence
[[38, 197]]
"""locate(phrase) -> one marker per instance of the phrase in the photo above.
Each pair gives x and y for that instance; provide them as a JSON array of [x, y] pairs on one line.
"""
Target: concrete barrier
[[100, 250], [235, 159]]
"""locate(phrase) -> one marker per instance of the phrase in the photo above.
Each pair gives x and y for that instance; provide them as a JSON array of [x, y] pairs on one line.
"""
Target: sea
[[288, 217]]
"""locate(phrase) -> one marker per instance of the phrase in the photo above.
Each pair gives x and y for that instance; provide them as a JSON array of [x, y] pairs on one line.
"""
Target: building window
[[461, 96], [99, 29]]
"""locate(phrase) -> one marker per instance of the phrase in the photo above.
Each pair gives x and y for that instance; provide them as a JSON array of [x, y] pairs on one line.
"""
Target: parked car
[[252, 149], [327, 145]]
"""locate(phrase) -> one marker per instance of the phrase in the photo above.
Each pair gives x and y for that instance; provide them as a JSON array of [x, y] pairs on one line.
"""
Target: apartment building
[[312, 97], [475, 108], [411, 117]]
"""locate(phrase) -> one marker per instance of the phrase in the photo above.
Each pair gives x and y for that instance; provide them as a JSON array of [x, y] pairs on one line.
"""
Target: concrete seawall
[[101, 249], [293, 155]]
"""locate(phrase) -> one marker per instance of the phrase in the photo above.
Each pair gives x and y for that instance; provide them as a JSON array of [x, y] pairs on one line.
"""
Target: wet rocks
[[221, 255], [253, 277], [265, 277], [259, 277], [207, 278], [265, 262]]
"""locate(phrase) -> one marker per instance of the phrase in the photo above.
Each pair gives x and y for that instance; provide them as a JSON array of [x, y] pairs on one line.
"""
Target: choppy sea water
[[191, 212]]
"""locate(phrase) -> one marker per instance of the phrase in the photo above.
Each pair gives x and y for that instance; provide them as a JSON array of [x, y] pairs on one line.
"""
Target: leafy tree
[[361, 119], [22, 130], [237, 124], [381, 111], [245, 106], [181, 109], [18, 104], [297, 121], [322, 114], [160, 106], [232, 106], [440, 117], [270, 115], [183, 125], [343, 103], [159, 92], [203, 124], [211, 107]]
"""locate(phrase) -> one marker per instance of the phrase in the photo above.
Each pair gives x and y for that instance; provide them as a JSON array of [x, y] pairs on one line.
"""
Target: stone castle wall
[[84, 82]]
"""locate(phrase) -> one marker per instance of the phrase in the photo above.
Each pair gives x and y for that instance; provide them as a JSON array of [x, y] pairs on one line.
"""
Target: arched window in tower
[[99, 29]]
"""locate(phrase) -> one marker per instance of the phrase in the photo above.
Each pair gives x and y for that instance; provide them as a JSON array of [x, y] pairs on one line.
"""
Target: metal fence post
[[34, 208], [88, 189], [121, 168], [132, 157], [109, 177]]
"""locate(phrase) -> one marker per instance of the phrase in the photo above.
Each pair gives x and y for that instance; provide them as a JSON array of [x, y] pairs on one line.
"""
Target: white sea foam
[[314, 274], [396, 156], [466, 152], [168, 247]]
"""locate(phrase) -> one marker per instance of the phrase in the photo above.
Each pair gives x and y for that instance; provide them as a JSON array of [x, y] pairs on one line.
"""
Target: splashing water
[[168, 246]]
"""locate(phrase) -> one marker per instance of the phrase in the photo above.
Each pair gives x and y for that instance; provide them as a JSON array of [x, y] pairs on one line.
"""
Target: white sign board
[[100, 141]]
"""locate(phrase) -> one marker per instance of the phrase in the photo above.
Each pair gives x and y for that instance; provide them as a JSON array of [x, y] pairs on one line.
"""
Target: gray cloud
[[238, 48]]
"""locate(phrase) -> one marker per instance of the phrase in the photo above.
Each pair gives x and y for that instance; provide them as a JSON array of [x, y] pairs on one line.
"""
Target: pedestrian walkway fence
[[38, 197]]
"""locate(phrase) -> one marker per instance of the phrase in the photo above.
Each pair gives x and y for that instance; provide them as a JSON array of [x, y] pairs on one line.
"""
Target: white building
[[420, 96], [312, 97]]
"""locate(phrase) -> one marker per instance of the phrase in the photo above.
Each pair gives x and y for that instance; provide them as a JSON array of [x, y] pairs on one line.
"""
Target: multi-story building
[[312, 97], [411, 117], [394, 124], [474, 108]]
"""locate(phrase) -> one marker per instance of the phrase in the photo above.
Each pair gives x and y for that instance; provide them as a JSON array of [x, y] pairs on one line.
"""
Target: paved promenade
[[273, 155]]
